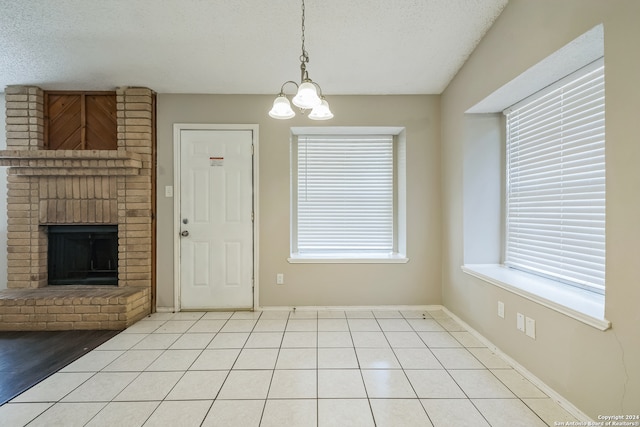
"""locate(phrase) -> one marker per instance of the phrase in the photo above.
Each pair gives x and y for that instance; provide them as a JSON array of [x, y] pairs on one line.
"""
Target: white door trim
[[177, 129]]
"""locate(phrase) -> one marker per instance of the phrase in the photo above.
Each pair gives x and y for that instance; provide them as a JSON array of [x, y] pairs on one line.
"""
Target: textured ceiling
[[240, 46]]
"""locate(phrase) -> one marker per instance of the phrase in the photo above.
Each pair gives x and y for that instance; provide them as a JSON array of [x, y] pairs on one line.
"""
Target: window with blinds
[[555, 213], [343, 195]]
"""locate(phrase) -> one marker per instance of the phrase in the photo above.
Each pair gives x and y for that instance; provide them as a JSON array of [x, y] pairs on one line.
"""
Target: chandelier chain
[[304, 58]]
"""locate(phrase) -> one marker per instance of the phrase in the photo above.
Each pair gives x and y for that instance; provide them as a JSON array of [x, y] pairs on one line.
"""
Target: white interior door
[[216, 224]]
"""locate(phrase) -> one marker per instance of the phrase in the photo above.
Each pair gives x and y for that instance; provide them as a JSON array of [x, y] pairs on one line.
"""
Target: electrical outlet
[[501, 309], [520, 322], [279, 279], [168, 191], [531, 328]]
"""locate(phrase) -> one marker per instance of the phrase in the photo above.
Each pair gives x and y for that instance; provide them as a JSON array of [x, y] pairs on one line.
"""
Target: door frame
[[177, 132]]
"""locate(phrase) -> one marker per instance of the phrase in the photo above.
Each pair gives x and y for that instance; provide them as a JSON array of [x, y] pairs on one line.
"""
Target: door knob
[[185, 233]]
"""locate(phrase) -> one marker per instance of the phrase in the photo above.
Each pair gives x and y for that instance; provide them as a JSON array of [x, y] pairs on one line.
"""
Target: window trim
[[352, 259], [399, 218]]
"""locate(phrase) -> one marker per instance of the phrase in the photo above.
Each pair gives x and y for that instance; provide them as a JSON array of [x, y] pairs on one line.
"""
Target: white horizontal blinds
[[556, 182], [345, 194]]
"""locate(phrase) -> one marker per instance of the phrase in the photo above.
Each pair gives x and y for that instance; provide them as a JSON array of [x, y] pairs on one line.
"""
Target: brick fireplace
[[77, 187]]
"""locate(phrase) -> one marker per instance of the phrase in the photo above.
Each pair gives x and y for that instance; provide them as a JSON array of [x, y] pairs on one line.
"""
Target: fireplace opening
[[83, 254]]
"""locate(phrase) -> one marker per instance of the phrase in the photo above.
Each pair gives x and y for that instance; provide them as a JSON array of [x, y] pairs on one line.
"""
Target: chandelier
[[308, 96]]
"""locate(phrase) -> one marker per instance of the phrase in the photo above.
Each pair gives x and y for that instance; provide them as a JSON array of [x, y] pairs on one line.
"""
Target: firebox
[[83, 254]]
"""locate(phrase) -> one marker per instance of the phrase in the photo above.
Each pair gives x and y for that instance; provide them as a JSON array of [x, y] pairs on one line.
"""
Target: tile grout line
[[194, 361], [364, 385], [273, 372], [403, 369]]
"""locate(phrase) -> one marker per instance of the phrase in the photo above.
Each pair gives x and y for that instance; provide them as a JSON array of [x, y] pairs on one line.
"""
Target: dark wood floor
[[26, 358]]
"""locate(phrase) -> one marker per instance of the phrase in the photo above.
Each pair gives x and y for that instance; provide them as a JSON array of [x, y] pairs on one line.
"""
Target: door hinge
[[252, 149], [251, 216]]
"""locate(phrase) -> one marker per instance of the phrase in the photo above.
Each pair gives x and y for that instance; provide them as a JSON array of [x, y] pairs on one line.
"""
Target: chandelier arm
[[284, 84]]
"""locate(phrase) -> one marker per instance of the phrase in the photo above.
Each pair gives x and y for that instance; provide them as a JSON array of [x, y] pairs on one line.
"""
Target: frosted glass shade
[[321, 112], [281, 109], [307, 96]]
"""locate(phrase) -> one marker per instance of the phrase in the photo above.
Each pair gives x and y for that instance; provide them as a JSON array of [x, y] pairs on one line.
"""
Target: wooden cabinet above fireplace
[[80, 121]]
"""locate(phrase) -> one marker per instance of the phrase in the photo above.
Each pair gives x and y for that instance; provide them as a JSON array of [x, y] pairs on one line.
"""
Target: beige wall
[[417, 282], [597, 371]]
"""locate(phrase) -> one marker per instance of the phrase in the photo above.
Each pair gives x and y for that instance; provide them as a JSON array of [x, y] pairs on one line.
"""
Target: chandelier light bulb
[[281, 109], [307, 96], [321, 112]]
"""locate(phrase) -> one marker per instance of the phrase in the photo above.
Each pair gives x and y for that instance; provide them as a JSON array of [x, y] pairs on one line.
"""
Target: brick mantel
[[78, 187], [71, 162]]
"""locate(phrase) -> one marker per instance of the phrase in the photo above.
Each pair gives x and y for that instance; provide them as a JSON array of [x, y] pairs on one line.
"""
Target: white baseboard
[[553, 395], [329, 308], [351, 308]]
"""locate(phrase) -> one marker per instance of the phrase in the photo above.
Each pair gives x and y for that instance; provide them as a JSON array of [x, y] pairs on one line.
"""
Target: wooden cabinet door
[[80, 121]]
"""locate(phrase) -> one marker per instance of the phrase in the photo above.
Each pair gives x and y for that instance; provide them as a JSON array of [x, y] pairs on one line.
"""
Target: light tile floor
[[280, 368]]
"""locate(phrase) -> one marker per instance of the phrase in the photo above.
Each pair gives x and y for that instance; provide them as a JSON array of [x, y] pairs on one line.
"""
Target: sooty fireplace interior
[[83, 254]]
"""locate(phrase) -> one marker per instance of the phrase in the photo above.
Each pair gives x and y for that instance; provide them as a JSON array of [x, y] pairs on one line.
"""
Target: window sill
[[347, 259], [582, 305]]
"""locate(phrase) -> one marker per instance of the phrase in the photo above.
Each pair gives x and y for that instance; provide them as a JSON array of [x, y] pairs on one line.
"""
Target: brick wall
[[25, 117], [135, 133]]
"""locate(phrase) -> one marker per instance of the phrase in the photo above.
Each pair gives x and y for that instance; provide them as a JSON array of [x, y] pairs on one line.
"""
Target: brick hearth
[[76, 187], [56, 308]]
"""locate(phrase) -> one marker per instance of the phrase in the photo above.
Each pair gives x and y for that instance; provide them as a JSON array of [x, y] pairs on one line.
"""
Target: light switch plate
[[520, 322], [501, 309], [168, 191], [531, 328]]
